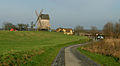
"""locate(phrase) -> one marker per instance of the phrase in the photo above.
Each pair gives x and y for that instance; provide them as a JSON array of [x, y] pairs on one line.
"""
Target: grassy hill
[[33, 48]]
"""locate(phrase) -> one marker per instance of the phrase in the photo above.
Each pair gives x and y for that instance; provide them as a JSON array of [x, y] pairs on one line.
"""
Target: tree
[[94, 30], [20, 26], [26, 27], [32, 25], [8, 26], [23, 27], [117, 30], [108, 29], [78, 29]]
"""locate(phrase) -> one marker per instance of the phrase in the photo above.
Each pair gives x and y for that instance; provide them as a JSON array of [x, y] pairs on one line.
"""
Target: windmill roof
[[45, 16]]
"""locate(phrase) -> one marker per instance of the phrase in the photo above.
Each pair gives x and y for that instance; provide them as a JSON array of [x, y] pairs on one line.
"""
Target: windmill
[[42, 21]]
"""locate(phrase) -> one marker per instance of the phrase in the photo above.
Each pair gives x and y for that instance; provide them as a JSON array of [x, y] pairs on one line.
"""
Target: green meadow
[[28, 48]]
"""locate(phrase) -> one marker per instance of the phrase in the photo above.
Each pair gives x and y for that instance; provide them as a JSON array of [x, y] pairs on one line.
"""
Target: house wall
[[68, 33], [65, 31]]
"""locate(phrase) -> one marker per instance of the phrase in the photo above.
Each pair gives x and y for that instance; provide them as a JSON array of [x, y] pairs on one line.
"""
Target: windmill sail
[[37, 13], [38, 22]]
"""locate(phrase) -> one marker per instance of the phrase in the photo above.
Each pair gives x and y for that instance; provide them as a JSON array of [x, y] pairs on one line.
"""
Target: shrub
[[109, 47]]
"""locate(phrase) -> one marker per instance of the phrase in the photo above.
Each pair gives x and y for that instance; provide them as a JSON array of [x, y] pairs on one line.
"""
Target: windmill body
[[43, 21]]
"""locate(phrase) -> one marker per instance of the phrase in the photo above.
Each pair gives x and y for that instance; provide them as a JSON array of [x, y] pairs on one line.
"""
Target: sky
[[63, 13]]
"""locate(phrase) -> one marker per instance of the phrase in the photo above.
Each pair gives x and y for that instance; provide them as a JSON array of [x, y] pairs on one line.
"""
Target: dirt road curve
[[74, 58]]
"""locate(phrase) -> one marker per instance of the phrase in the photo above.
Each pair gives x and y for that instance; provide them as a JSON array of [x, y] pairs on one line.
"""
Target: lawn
[[29, 48], [101, 59]]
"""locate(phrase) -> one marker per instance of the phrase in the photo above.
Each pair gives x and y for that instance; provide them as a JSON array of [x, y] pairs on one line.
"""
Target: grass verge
[[101, 59]]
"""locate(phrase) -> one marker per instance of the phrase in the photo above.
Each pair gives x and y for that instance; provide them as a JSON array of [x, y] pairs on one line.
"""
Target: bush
[[109, 47]]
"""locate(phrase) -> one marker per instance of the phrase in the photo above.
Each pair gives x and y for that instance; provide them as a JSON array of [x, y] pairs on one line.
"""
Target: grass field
[[33, 48]]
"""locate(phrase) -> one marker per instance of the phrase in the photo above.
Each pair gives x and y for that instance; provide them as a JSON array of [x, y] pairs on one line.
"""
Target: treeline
[[18, 27], [80, 29], [112, 30]]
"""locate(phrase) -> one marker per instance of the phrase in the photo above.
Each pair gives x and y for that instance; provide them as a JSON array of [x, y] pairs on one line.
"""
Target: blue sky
[[63, 13]]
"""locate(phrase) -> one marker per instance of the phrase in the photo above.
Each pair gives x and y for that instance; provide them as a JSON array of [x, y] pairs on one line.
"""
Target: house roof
[[64, 28], [67, 29], [45, 16]]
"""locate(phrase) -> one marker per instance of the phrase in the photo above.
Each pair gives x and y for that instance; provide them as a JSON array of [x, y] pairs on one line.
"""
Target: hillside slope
[[33, 48]]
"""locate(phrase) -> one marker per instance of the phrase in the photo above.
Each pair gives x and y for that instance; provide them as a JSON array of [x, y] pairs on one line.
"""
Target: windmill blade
[[39, 17], [38, 20], [36, 13], [35, 23], [41, 12]]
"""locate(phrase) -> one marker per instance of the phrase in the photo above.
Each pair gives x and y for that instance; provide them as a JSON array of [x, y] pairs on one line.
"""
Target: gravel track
[[70, 56]]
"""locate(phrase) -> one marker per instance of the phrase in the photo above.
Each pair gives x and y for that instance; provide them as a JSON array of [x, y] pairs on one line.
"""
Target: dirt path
[[74, 58]]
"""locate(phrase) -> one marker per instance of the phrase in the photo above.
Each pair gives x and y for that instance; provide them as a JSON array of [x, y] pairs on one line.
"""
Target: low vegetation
[[105, 49], [33, 48], [100, 58]]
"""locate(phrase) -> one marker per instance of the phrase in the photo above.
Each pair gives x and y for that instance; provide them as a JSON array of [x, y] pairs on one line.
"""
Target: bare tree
[[116, 30], [78, 29], [94, 30], [108, 29]]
